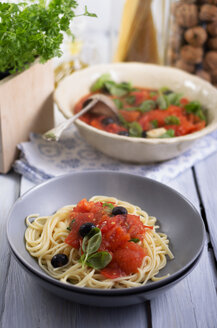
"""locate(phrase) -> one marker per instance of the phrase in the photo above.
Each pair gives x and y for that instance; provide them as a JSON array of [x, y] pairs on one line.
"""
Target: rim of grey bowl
[[212, 126], [88, 290]]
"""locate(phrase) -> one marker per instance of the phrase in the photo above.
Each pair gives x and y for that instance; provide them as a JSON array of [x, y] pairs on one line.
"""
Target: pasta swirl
[[45, 236]]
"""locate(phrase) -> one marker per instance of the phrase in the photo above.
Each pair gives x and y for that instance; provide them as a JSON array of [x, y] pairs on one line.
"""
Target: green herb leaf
[[87, 13], [88, 242], [116, 89], [172, 119], [201, 115], [135, 129], [169, 134], [147, 105], [154, 123], [130, 99], [95, 241], [70, 226], [110, 205], [33, 29], [162, 102], [144, 107], [82, 259], [195, 108], [165, 90], [174, 98], [118, 103], [135, 240], [99, 260], [100, 82]]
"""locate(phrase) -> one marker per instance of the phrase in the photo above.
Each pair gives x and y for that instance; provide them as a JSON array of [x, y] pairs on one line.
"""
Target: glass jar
[[141, 31], [192, 41]]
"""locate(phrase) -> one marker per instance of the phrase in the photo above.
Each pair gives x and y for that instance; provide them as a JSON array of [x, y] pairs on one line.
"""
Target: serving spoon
[[98, 104]]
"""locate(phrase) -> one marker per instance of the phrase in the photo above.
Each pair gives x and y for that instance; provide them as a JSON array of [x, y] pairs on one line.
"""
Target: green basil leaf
[[174, 98], [86, 239], [135, 240], [115, 89], [154, 123], [193, 107], [118, 103], [100, 82], [126, 85], [172, 119], [95, 241], [70, 225], [147, 105], [162, 102], [99, 260], [165, 90], [169, 134], [201, 115], [130, 99], [83, 259], [135, 129]]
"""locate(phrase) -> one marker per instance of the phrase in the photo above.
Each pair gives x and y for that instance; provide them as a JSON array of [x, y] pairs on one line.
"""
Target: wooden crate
[[26, 105]]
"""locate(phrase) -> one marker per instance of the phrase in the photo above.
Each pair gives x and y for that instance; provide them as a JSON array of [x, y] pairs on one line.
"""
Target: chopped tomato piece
[[184, 101], [117, 234], [130, 116], [114, 128], [130, 257], [141, 96]]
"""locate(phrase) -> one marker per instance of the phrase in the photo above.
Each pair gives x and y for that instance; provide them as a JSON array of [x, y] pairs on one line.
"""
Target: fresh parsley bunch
[[30, 30]]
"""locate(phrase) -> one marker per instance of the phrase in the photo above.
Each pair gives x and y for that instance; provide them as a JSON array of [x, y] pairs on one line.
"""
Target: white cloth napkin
[[41, 160]]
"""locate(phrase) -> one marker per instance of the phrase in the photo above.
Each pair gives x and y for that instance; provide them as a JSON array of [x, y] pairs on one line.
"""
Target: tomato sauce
[[118, 233], [177, 116]]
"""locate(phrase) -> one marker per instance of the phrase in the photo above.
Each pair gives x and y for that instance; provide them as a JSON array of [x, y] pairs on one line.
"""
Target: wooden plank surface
[[206, 173], [9, 189], [192, 302], [34, 307]]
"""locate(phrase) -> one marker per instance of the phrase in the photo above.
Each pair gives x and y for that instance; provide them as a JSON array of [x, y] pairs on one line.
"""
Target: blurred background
[[119, 33]]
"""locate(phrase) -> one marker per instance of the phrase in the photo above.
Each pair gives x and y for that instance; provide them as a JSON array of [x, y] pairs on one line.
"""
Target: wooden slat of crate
[[26, 105]]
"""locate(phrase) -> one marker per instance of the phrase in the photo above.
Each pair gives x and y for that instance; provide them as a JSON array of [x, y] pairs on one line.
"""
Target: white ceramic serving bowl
[[138, 150]]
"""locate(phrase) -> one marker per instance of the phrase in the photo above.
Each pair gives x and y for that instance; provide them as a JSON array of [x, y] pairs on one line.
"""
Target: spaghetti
[[46, 236]]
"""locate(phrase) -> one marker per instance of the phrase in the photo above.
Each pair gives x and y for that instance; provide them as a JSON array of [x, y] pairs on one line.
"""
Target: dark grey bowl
[[176, 216]]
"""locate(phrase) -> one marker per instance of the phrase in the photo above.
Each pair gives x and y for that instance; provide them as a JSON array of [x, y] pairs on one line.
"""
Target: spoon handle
[[55, 133]]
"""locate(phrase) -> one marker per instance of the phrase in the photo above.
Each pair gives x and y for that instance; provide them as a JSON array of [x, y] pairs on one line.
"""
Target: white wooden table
[[191, 303]]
